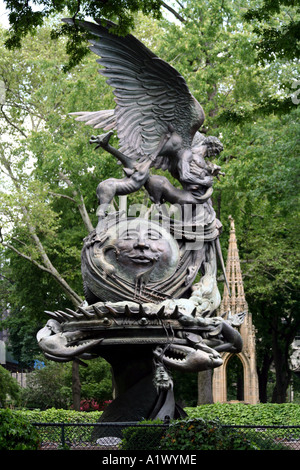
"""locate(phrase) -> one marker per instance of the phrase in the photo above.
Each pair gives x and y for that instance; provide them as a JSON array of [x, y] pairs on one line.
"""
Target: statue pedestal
[[136, 395]]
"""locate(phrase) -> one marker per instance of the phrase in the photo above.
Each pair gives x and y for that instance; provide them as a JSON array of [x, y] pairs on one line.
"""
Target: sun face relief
[[142, 248], [141, 245]]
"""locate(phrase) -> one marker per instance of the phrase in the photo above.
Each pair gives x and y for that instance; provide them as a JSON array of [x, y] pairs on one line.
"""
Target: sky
[[3, 22], [3, 15]]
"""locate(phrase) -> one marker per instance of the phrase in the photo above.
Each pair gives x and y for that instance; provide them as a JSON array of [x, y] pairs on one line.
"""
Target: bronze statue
[[145, 312]]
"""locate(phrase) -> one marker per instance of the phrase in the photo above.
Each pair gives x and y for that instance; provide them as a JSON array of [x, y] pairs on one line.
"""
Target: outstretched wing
[[150, 94], [104, 119]]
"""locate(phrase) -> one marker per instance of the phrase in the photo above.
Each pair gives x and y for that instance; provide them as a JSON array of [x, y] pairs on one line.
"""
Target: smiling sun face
[[140, 247]]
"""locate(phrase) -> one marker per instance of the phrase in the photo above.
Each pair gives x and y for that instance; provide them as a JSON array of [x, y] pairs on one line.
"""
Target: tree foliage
[[262, 171], [9, 388], [26, 19], [277, 23], [50, 384]]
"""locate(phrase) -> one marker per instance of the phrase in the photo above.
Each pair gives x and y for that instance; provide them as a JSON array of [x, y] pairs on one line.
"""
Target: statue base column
[[137, 397]]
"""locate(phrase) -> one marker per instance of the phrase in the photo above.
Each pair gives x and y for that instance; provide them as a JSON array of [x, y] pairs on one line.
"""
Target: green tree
[[26, 19], [96, 381], [48, 387], [277, 24], [50, 384], [262, 172], [9, 388], [50, 174]]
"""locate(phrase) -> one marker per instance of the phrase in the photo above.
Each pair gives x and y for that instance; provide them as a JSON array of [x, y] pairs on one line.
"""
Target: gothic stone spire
[[236, 303]]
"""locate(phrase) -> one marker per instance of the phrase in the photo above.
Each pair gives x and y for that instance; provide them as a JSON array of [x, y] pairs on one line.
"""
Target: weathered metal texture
[[144, 312]]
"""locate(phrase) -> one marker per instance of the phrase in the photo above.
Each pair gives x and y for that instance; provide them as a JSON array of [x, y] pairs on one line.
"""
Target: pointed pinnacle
[[142, 312], [161, 311], [175, 313]]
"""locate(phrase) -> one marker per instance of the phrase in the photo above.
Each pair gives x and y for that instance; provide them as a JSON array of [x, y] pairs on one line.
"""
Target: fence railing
[[110, 436], [271, 437], [91, 436]]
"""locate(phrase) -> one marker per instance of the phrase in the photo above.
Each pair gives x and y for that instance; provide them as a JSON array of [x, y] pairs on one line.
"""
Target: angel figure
[[157, 121]]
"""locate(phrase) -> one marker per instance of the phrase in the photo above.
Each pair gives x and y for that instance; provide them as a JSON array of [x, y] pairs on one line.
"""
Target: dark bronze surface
[[150, 283]]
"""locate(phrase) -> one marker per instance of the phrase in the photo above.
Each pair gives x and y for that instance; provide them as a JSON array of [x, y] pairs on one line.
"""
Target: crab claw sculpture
[[188, 359], [61, 346]]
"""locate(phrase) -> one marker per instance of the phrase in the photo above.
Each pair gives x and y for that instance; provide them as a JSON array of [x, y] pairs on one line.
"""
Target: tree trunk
[[283, 377], [81, 206], [76, 386], [205, 387], [283, 374], [46, 264], [263, 377]]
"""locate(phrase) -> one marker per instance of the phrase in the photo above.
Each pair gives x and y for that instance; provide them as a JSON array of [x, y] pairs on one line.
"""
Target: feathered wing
[[104, 119], [150, 94]]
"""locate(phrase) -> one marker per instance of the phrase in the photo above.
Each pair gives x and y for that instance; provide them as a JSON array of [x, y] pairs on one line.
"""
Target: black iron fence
[[271, 437], [98, 436], [138, 436]]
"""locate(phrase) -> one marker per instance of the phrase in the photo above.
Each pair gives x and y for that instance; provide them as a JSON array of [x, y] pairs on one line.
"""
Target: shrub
[[145, 436], [52, 415], [9, 387], [198, 434], [16, 432], [261, 414]]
